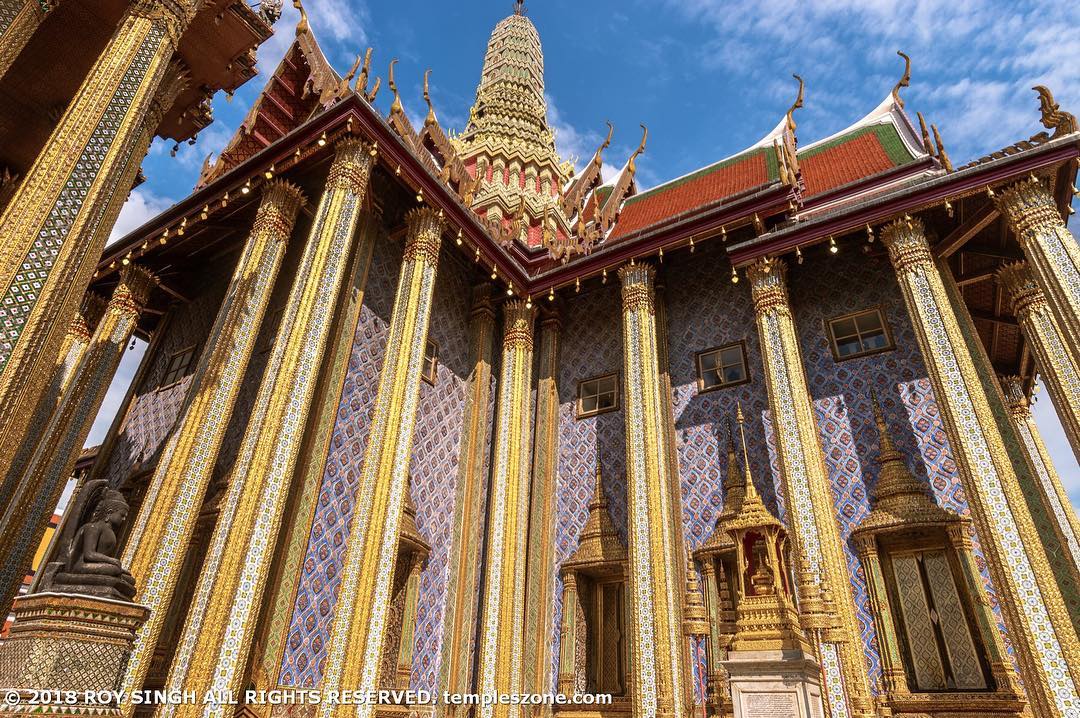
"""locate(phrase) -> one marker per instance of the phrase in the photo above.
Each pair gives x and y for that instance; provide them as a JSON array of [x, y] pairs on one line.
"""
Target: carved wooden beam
[[966, 231]]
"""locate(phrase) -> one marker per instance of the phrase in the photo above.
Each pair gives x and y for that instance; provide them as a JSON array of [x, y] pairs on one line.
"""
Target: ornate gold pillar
[[360, 614], [567, 679], [1057, 362], [71, 354], [1051, 251], [1054, 495], [58, 446], [403, 675], [893, 676], [540, 589], [826, 607], [212, 653], [503, 617], [455, 670], [1035, 613], [55, 226], [658, 661], [18, 21], [159, 538]]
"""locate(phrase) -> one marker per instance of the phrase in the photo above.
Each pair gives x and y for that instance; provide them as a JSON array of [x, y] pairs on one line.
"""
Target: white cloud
[[573, 144], [141, 206]]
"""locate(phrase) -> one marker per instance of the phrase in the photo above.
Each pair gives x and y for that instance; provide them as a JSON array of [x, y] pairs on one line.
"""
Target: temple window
[[431, 362], [859, 334], [934, 629], [599, 395], [721, 367], [177, 367]]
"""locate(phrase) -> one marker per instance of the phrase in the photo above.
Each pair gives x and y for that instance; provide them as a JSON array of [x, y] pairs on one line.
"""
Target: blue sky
[[708, 77]]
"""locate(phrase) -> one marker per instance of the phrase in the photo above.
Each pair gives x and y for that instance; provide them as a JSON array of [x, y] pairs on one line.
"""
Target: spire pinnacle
[[748, 483], [519, 7]]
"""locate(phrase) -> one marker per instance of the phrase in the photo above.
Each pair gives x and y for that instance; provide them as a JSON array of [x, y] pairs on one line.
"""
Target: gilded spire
[[752, 512], [695, 618], [598, 544]]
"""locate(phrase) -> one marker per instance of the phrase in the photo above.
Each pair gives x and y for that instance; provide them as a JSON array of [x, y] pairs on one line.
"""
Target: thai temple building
[[433, 409]]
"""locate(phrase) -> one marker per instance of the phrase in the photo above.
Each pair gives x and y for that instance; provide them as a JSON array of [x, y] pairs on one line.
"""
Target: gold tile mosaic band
[[38, 490], [362, 610], [463, 584], [55, 226], [213, 650], [159, 538], [1051, 250], [825, 603], [657, 661], [1058, 361], [1038, 621], [503, 601]]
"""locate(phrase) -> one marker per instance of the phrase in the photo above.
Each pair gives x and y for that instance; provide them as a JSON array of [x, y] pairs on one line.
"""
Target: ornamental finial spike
[[795, 105], [519, 7], [884, 440], [905, 81], [641, 148], [749, 489], [1053, 117], [303, 26]]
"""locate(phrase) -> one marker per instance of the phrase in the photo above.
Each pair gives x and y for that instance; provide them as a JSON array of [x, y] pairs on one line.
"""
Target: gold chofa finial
[[641, 148], [795, 105], [393, 87], [427, 98], [905, 81], [302, 26], [1053, 117]]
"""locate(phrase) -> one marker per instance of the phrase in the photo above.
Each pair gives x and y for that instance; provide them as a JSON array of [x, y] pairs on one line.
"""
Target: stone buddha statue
[[87, 563]]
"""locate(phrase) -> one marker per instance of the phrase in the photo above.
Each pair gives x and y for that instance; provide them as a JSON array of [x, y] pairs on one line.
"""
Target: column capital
[[483, 305], [177, 14], [905, 238], [518, 328], [92, 309], [1028, 206], [352, 166], [281, 201], [637, 286], [1019, 283], [133, 291], [1016, 400], [424, 234], [768, 283]]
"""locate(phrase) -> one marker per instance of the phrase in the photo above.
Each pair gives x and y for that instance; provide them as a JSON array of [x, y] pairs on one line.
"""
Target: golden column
[[539, 573], [159, 539], [826, 607], [1051, 251], [363, 604], [502, 627], [1057, 362], [58, 446], [71, 354], [18, 21], [1055, 496], [656, 597], [212, 653], [1038, 621], [55, 226], [455, 670]]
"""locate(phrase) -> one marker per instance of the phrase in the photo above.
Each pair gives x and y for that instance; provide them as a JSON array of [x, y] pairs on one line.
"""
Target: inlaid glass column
[[1055, 496], [826, 607], [361, 614], [502, 624], [18, 21], [657, 661], [58, 446], [462, 606], [1051, 251], [217, 637], [540, 589], [55, 226], [1057, 362], [159, 539], [1038, 621], [71, 354]]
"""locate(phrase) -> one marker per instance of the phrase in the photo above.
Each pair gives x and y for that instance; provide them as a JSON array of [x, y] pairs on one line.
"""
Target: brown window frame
[[580, 413], [180, 371], [701, 388], [890, 344], [430, 375]]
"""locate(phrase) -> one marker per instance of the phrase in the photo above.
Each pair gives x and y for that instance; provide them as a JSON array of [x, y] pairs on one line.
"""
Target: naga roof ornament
[[1053, 117], [905, 80]]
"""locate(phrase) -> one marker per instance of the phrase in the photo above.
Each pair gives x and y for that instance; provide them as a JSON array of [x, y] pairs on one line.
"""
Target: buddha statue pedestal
[[774, 684], [67, 642]]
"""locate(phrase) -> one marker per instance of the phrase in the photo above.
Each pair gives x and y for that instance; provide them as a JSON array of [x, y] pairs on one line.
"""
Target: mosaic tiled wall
[[591, 345], [155, 408], [313, 611], [433, 469]]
